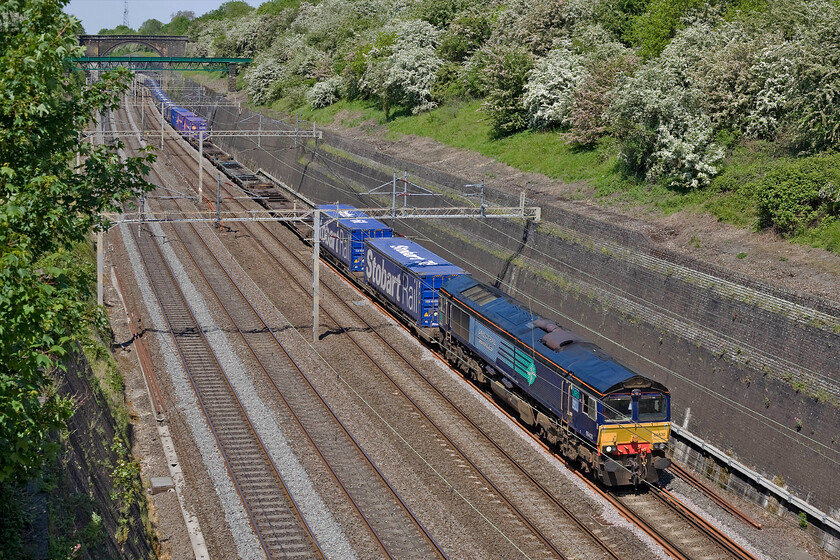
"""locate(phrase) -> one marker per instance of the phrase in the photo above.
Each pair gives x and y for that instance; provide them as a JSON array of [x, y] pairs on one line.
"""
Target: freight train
[[614, 422], [183, 120]]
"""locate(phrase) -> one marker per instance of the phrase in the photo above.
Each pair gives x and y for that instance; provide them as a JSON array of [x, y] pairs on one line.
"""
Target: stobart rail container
[[344, 230], [409, 276]]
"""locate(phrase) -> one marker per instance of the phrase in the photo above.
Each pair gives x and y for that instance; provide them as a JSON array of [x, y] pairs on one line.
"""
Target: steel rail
[[495, 444], [143, 355], [296, 415], [696, 483], [707, 528], [273, 536]]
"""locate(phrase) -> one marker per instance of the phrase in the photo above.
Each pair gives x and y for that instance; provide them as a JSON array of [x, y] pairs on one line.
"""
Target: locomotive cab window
[[652, 408], [618, 409], [590, 406]]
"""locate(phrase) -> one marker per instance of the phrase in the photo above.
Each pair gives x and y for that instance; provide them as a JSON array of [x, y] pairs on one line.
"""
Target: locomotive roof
[[573, 353]]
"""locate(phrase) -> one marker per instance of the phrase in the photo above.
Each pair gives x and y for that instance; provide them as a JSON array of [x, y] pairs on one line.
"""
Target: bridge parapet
[[164, 45]]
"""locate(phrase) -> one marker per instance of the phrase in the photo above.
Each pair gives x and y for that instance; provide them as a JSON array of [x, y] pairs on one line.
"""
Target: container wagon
[[344, 231], [409, 276]]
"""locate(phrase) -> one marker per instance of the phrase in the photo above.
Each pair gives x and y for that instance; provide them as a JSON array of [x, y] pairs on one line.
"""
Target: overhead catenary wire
[[789, 433]]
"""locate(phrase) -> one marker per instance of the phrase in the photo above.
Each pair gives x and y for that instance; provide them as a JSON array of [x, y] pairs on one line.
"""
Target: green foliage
[[118, 30], [803, 520], [180, 25], [505, 77], [151, 27], [594, 95], [743, 9], [617, 16], [465, 35], [799, 195], [47, 204], [276, 7], [440, 12], [652, 31], [13, 521], [127, 489], [229, 10], [814, 106], [448, 84]]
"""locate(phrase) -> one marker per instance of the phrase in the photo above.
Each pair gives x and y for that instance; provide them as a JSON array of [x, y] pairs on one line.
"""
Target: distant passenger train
[[591, 408]]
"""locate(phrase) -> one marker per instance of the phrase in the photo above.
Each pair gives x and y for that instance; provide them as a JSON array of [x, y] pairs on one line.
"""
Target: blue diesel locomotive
[[615, 422], [591, 408]]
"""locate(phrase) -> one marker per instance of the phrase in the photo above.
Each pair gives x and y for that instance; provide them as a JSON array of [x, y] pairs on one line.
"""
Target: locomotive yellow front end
[[632, 453]]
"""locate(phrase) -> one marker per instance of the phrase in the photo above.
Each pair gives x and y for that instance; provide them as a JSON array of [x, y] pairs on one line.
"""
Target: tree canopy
[[48, 203]]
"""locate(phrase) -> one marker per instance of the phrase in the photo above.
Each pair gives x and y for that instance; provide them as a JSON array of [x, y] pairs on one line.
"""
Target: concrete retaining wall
[[89, 459], [751, 368]]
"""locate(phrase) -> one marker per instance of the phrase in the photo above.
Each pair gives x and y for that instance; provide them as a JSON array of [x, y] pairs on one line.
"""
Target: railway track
[[280, 528], [275, 517], [684, 534], [396, 529], [679, 537]]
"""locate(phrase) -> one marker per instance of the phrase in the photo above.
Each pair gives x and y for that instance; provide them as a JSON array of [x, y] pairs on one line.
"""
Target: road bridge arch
[[164, 45]]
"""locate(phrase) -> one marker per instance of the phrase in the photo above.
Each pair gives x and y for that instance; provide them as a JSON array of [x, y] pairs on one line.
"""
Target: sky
[[99, 14]]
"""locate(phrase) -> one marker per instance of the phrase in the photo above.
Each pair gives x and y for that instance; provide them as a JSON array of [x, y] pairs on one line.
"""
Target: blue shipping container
[[344, 230], [176, 112], [408, 275], [191, 124]]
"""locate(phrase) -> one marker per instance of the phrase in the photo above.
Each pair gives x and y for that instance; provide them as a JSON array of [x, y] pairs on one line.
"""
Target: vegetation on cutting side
[[53, 190], [678, 95]]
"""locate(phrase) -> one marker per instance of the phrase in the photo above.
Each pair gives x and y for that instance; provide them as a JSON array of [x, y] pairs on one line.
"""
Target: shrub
[[799, 195], [773, 74], [399, 67], [617, 16], [551, 83], [593, 96], [260, 79], [325, 92], [448, 83], [441, 13], [534, 24], [654, 29], [330, 23], [726, 76], [505, 77], [465, 35], [686, 156], [815, 109], [659, 118]]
